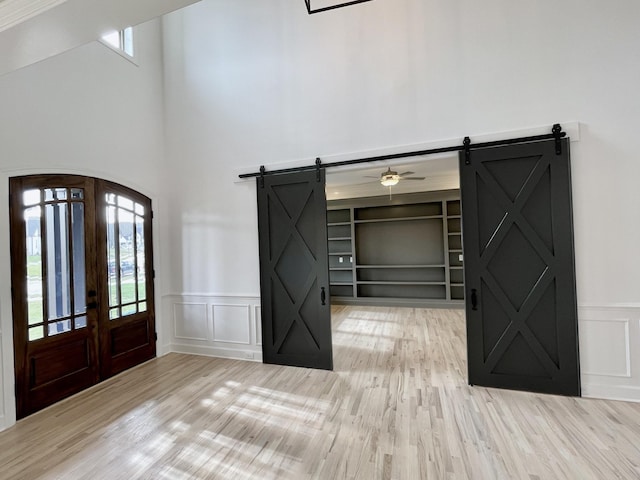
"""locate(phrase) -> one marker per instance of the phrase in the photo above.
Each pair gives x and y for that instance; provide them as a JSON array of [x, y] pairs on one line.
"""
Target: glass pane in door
[[32, 217], [125, 256], [79, 280], [55, 251], [139, 254], [58, 261]]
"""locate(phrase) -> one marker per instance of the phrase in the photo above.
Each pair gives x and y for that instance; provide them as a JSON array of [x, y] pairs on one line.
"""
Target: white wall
[[254, 82], [88, 111]]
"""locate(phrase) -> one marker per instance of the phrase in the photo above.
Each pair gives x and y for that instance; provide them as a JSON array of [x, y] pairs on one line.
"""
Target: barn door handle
[[474, 299], [323, 296]]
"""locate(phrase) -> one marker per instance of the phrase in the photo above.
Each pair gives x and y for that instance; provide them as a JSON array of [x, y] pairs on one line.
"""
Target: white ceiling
[[33, 30], [440, 172], [13, 12]]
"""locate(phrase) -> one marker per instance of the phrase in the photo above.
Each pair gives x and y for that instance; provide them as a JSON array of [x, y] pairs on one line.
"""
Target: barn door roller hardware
[[556, 134], [467, 150], [315, 6]]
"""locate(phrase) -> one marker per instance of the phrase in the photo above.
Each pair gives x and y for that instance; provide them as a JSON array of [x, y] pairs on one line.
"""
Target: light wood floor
[[396, 407]]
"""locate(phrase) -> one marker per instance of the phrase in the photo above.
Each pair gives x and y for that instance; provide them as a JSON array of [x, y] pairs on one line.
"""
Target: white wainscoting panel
[[257, 317], [230, 327], [190, 321], [608, 348], [232, 323], [610, 351], [214, 325]]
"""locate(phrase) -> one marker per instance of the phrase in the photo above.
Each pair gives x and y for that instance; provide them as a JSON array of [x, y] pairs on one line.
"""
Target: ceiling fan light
[[390, 180]]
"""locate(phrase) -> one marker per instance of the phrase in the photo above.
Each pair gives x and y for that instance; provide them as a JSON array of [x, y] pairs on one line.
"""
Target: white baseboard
[[162, 350], [249, 355], [610, 392]]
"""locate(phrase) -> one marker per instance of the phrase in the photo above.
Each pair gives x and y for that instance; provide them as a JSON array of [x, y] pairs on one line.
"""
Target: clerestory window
[[122, 41]]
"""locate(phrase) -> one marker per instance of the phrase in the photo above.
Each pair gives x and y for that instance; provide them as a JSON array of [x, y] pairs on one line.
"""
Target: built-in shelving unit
[[340, 233], [406, 250], [454, 238]]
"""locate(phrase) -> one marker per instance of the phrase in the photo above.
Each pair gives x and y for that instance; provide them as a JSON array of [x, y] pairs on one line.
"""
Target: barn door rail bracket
[[556, 130], [467, 150], [318, 165], [556, 134]]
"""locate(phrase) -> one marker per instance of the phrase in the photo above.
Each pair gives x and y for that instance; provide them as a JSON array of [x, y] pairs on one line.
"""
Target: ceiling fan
[[391, 177]]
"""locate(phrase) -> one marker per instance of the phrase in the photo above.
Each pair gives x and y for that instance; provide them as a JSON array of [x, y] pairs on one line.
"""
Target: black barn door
[[294, 272], [519, 268]]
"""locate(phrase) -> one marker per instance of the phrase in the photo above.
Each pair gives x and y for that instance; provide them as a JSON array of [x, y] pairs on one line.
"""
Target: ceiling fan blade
[[406, 173], [413, 178], [363, 183], [370, 176]]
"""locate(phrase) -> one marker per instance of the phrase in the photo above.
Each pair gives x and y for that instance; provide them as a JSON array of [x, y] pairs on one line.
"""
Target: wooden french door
[[82, 298], [125, 260], [522, 329], [54, 279], [294, 272]]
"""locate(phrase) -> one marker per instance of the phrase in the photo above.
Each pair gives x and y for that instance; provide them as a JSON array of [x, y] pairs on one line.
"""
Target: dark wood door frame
[[52, 364]]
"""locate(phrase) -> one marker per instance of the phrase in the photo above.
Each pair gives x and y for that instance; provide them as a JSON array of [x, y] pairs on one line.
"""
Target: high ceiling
[[33, 30], [13, 12]]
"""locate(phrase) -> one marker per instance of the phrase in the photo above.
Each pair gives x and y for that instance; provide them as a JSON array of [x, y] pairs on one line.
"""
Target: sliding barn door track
[[466, 146]]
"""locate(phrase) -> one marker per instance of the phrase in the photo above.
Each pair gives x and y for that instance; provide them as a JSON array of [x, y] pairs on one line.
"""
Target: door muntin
[[55, 243]]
